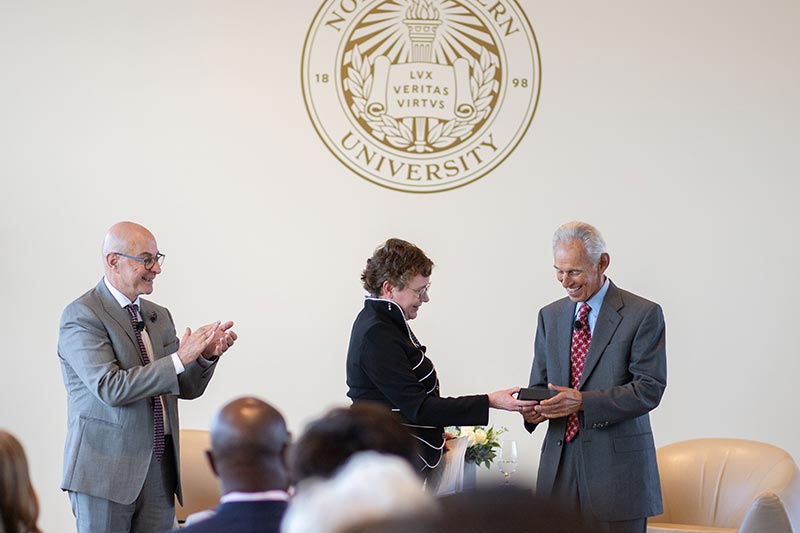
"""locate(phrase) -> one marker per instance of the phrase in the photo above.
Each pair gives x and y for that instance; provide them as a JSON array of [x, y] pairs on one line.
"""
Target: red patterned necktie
[[581, 338], [158, 409]]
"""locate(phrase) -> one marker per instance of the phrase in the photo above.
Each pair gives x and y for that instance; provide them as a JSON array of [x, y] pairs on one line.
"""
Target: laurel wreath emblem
[[483, 87]]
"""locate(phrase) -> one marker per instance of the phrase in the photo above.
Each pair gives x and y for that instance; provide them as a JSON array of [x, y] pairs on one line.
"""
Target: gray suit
[[110, 416], [623, 380]]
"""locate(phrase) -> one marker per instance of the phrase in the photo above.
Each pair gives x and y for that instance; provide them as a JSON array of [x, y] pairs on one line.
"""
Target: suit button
[[559, 442]]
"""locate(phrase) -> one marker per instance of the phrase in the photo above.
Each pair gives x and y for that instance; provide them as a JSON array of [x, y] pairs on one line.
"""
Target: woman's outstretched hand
[[505, 400]]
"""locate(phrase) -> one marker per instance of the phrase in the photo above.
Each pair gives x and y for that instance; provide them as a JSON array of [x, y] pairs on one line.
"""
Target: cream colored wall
[[672, 126]]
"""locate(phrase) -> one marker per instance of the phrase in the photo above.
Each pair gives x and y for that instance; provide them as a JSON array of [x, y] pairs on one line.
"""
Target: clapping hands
[[210, 341], [223, 338]]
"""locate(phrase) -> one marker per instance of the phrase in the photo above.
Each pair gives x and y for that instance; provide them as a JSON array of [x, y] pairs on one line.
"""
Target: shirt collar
[[391, 304], [595, 302], [121, 299], [389, 301], [267, 495]]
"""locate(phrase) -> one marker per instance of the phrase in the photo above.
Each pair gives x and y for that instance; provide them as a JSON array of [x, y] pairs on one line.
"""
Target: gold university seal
[[421, 95]]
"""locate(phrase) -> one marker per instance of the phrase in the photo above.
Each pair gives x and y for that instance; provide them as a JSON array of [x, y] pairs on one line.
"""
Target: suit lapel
[[153, 328], [119, 314], [607, 322], [564, 336]]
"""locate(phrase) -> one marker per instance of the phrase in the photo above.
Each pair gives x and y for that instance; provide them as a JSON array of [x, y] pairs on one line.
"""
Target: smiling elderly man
[[602, 351], [124, 370]]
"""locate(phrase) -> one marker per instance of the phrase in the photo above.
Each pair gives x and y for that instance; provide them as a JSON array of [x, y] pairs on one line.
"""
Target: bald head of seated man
[[249, 444]]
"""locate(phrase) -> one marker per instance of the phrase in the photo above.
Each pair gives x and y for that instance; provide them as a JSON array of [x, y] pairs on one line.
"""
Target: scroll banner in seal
[[421, 90]]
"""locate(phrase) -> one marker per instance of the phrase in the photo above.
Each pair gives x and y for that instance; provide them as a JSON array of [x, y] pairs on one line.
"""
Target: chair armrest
[[766, 513]]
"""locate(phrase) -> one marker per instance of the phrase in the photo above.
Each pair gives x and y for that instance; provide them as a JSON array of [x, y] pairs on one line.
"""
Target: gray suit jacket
[[623, 380], [109, 411]]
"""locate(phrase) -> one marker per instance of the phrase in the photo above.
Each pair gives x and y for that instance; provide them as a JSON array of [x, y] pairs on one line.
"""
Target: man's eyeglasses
[[149, 261]]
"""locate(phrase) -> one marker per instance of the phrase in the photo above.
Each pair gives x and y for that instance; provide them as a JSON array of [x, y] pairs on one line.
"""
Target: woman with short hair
[[387, 364]]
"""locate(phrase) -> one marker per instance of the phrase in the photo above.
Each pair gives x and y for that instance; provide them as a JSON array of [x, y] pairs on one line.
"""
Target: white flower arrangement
[[483, 442]]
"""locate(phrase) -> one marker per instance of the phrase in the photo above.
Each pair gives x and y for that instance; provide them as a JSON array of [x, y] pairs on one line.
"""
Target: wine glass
[[507, 459]]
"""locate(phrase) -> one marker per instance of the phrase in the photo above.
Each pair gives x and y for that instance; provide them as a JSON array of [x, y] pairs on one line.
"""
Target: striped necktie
[[158, 409]]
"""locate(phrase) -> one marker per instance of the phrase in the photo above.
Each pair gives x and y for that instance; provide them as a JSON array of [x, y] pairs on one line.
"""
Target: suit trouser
[[571, 490], [152, 511]]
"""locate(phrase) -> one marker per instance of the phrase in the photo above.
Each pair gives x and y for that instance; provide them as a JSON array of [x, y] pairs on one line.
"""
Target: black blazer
[[387, 364]]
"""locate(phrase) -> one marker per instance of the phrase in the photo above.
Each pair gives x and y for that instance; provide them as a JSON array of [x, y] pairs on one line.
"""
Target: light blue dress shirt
[[595, 302]]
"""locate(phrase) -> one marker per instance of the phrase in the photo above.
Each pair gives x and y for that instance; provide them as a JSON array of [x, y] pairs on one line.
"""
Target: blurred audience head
[[370, 487], [19, 507], [486, 510], [249, 445], [328, 442]]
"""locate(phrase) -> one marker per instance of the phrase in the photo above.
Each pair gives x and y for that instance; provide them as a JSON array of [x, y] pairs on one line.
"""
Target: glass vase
[[470, 476]]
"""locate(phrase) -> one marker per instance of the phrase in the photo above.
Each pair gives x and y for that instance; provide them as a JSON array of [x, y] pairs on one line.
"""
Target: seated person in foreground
[[249, 443], [370, 486], [19, 507], [328, 442], [485, 510]]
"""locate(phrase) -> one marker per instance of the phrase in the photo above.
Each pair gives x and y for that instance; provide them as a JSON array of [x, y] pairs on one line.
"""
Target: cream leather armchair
[[199, 484], [727, 485]]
